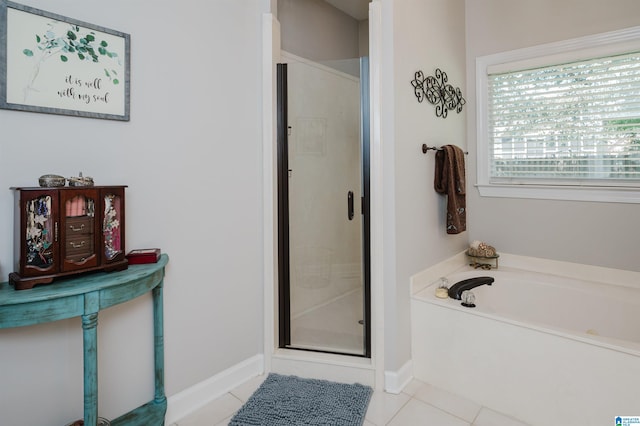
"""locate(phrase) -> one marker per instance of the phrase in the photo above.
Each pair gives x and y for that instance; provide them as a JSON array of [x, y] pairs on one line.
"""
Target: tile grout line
[[477, 414], [451, 414], [241, 405], [398, 411], [237, 397]]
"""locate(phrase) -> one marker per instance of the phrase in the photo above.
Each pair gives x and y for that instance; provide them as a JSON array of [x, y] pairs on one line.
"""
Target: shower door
[[323, 184]]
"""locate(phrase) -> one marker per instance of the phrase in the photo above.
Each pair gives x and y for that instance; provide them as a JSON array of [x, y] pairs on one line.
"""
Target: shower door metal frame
[[365, 130], [284, 271]]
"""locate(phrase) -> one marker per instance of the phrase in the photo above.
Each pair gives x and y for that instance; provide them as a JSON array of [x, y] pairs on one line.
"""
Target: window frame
[[583, 48]]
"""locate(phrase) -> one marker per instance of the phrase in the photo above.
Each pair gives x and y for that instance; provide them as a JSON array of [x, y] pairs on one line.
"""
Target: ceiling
[[359, 9]]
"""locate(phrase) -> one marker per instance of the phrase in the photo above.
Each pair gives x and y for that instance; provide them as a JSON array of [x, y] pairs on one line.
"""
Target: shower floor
[[332, 327]]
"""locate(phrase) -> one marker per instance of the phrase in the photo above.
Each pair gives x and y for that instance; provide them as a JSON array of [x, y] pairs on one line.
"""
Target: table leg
[[90, 344], [158, 334]]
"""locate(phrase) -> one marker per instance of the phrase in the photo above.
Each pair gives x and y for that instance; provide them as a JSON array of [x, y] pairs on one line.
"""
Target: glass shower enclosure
[[323, 201]]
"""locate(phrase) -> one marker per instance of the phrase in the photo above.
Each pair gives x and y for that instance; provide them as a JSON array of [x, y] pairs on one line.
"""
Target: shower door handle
[[350, 205]]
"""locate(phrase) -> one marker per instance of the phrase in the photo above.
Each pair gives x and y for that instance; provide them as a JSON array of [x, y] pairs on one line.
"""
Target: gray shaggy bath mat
[[290, 400]]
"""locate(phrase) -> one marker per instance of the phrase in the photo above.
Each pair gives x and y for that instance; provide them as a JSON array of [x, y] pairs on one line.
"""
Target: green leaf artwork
[[82, 43], [113, 79]]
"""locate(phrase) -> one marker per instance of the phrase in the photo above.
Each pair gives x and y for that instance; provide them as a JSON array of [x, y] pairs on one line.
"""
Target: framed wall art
[[58, 65]]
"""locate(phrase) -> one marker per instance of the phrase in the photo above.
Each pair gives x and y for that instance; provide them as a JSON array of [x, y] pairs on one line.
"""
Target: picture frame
[[53, 64]]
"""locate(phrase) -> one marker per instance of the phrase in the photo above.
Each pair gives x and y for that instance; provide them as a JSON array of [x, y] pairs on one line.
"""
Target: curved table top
[[80, 295]]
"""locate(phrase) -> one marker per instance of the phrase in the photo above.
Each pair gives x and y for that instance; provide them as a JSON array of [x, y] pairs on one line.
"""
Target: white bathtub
[[543, 348]]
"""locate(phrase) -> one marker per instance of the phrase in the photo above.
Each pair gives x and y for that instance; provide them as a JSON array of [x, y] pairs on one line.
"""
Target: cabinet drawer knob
[[74, 229], [74, 245]]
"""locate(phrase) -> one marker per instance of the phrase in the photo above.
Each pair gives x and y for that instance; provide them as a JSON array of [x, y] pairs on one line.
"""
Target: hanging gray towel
[[450, 180]]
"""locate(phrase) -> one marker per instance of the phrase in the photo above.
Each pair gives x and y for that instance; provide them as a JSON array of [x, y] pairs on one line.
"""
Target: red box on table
[[140, 256]]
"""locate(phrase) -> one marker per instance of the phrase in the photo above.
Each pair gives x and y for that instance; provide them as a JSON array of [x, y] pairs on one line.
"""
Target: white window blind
[[576, 123]]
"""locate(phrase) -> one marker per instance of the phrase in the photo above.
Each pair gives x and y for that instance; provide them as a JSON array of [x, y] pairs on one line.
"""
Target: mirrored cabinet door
[[39, 232], [113, 224]]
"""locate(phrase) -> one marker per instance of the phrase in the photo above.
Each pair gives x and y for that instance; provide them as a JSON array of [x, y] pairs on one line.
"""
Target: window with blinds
[[561, 121], [576, 123]]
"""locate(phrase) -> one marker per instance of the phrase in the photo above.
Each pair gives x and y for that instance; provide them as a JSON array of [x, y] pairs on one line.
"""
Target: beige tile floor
[[419, 404]]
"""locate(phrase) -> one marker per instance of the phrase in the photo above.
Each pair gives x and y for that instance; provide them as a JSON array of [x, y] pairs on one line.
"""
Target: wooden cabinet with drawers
[[67, 230]]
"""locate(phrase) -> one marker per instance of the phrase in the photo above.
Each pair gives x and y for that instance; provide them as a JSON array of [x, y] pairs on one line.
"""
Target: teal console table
[[85, 296]]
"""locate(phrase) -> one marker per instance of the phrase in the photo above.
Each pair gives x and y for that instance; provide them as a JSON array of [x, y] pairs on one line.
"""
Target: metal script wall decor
[[438, 92]]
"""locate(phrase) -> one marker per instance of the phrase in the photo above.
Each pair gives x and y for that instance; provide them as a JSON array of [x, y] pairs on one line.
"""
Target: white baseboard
[[197, 396], [395, 381]]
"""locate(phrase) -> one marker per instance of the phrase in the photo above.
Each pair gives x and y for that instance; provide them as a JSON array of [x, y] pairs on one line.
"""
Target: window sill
[[565, 193]]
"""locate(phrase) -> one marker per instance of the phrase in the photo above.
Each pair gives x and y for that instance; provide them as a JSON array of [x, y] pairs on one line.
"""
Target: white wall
[[418, 35], [191, 156], [604, 234], [318, 31]]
